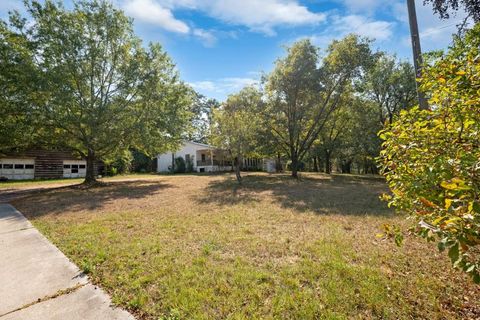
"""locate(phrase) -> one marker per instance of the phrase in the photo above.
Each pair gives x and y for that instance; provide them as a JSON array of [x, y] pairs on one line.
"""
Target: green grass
[[200, 247]]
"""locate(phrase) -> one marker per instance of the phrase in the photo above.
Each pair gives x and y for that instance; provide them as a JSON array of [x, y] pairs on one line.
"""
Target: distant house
[[43, 164], [269, 165], [204, 158]]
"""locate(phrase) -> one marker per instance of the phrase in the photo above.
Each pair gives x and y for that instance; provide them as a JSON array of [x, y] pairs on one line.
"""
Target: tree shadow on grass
[[74, 198], [323, 194]]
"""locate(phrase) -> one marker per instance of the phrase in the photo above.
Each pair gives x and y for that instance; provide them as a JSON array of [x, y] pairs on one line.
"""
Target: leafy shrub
[[189, 165], [141, 162], [431, 158], [180, 166]]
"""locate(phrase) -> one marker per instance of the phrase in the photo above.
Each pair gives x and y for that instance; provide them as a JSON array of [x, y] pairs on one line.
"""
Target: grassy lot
[[47, 183], [200, 247]]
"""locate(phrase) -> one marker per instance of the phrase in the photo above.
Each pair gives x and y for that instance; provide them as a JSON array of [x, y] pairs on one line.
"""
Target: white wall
[[165, 160], [74, 168], [17, 169], [269, 165]]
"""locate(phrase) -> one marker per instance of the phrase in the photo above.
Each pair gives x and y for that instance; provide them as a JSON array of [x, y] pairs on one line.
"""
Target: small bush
[[431, 158], [180, 166], [189, 165]]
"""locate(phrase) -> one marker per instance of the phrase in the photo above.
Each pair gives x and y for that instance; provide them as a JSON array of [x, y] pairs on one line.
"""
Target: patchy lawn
[[200, 247], [16, 185]]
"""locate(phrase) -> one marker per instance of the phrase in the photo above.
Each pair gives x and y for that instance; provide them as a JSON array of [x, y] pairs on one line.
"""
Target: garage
[[17, 169], [74, 168]]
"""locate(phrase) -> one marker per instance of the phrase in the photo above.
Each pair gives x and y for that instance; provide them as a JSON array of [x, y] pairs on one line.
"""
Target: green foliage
[[390, 84], [141, 162], [189, 165], [335, 133], [201, 118], [236, 125], [444, 8], [431, 158], [180, 166], [16, 79], [303, 90], [97, 89], [120, 163]]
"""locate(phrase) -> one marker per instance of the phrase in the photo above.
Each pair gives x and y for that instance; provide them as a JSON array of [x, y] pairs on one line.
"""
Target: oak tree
[[99, 91]]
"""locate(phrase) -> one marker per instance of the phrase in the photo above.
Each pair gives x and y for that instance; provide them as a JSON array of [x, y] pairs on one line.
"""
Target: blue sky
[[220, 46]]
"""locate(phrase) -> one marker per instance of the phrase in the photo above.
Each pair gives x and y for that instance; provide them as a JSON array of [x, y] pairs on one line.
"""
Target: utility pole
[[417, 51]]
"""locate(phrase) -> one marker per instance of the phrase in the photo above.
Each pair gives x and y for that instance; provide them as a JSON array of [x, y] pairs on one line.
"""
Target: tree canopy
[[236, 125], [201, 118], [445, 7], [303, 90], [390, 84], [93, 88]]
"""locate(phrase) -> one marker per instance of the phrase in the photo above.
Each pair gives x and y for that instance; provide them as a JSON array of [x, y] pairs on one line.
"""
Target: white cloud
[[375, 29], [151, 12], [220, 88], [203, 85], [238, 83], [263, 15], [207, 37], [340, 26]]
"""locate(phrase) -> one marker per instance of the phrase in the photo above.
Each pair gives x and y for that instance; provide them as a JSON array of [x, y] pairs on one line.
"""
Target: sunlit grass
[[201, 247], [15, 184]]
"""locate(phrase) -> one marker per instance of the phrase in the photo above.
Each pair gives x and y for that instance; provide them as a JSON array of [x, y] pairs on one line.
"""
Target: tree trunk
[[328, 165], [346, 166], [321, 165], [278, 163], [90, 174], [294, 165], [315, 164], [237, 169]]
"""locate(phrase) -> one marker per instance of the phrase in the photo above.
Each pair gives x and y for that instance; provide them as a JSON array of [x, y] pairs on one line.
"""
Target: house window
[[66, 166], [187, 158], [74, 168], [203, 157], [29, 166], [18, 166], [8, 166], [82, 166]]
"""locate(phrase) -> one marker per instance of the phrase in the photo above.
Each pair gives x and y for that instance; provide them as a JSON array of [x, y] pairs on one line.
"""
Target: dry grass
[[17, 185], [201, 247]]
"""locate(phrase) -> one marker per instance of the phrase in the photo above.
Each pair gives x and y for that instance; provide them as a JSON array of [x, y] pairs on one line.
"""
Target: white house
[[269, 165], [205, 158]]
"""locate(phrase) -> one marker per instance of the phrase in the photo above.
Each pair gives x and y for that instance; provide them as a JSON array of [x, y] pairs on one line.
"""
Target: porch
[[210, 160]]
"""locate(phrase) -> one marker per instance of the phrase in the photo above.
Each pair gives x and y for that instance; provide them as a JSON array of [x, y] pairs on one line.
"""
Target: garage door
[[74, 168], [17, 169]]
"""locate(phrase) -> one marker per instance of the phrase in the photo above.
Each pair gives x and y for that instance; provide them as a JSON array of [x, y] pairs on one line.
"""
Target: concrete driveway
[[37, 281]]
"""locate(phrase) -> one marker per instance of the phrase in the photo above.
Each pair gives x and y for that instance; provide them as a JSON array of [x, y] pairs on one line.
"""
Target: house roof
[[201, 144]]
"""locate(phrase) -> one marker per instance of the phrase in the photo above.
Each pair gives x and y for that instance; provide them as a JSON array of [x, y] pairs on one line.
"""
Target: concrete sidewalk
[[37, 281]]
